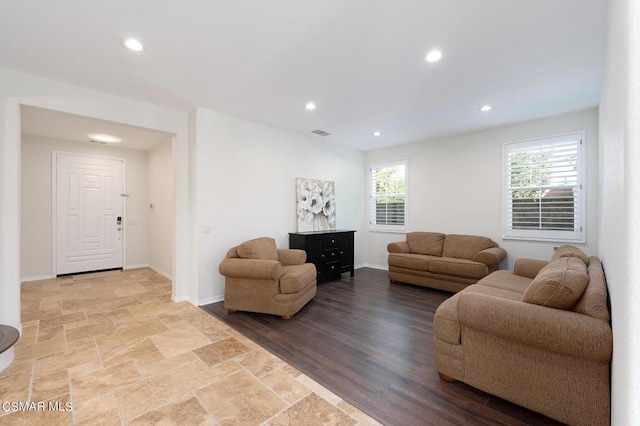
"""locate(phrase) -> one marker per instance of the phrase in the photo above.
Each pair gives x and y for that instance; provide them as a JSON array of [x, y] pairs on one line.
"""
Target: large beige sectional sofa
[[443, 262], [539, 337]]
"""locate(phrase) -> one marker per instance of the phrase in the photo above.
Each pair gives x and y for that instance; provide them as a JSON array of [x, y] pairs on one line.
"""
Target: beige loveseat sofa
[[262, 278], [539, 337], [444, 262]]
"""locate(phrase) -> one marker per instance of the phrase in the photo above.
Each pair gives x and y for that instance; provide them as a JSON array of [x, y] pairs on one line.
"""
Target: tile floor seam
[[118, 409], [73, 408]]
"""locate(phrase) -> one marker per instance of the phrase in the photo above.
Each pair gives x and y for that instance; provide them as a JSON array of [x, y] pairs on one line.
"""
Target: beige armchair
[[262, 278]]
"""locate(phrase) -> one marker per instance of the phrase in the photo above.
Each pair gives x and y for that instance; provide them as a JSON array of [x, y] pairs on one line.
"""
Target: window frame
[[578, 235], [374, 227]]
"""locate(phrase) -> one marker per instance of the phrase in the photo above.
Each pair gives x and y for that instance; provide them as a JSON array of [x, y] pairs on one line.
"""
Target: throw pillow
[[558, 285], [570, 251], [259, 248]]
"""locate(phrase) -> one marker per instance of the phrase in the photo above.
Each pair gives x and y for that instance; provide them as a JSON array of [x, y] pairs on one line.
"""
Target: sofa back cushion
[[558, 285], [465, 246], [569, 251], [594, 299], [259, 248], [425, 243]]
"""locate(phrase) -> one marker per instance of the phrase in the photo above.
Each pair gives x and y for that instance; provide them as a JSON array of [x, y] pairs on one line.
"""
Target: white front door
[[89, 223]]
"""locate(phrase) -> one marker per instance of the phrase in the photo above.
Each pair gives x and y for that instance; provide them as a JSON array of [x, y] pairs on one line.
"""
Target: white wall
[[17, 88], [456, 185], [245, 176], [36, 232], [620, 204], [161, 218]]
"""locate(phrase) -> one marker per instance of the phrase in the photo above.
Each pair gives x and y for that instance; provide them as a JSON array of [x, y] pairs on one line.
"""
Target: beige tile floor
[[114, 349]]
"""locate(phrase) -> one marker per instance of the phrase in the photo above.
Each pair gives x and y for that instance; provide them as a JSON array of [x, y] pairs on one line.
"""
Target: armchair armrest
[[491, 257], [563, 332], [528, 267], [290, 257], [399, 247], [251, 268]]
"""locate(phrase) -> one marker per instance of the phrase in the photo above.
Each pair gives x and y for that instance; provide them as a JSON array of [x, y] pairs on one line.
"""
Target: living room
[[455, 185]]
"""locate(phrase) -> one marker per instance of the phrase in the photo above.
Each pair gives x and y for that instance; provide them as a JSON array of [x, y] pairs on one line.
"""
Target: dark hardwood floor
[[371, 343]]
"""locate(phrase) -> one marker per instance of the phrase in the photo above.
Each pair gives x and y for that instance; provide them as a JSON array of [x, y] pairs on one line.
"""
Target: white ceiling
[[70, 127], [361, 61]]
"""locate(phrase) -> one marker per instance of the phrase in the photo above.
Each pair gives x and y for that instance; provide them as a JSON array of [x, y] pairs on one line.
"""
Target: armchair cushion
[[559, 285], [259, 248], [297, 277]]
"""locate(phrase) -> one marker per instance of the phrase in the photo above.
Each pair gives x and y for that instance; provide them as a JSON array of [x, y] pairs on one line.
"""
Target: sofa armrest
[[491, 257], [251, 268], [528, 267], [290, 257], [564, 332], [399, 247]]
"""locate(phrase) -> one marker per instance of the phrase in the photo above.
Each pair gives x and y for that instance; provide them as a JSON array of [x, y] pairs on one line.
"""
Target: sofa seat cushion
[[429, 243], [465, 246], [458, 267], [297, 277], [506, 280], [418, 262], [259, 248], [558, 285]]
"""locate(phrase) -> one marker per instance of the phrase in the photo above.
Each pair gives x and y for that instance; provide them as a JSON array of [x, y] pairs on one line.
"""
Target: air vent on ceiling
[[321, 132], [95, 141]]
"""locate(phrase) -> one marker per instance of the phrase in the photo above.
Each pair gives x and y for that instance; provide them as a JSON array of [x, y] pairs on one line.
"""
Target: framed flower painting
[[315, 203]]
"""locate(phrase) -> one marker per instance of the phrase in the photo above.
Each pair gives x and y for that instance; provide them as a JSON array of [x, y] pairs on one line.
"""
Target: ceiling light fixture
[[310, 106], [104, 138], [485, 108], [133, 44], [377, 133], [434, 56]]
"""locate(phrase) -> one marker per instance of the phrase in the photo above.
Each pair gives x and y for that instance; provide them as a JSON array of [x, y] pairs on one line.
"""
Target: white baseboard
[[146, 265], [161, 272], [37, 278], [179, 299], [209, 300], [381, 267]]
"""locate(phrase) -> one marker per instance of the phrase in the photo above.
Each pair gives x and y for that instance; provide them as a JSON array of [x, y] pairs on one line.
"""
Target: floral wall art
[[315, 205]]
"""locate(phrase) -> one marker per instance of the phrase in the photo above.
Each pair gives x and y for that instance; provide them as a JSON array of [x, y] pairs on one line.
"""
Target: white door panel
[[88, 203]]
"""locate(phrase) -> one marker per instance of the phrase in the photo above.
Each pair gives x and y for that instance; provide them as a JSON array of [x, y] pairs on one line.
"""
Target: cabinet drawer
[[331, 241]]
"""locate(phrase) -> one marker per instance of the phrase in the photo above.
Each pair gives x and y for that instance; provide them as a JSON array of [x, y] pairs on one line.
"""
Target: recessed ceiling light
[[310, 106], [104, 138], [485, 108], [133, 44], [377, 133], [434, 56]]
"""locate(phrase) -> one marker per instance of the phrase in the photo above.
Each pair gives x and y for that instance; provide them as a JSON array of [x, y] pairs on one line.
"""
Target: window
[[388, 211], [544, 188]]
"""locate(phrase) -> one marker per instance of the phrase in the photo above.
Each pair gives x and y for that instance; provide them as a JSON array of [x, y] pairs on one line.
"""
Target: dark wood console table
[[330, 251]]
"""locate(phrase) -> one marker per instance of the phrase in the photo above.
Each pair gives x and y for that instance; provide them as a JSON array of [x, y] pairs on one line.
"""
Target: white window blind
[[388, 195], [544, 188]]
